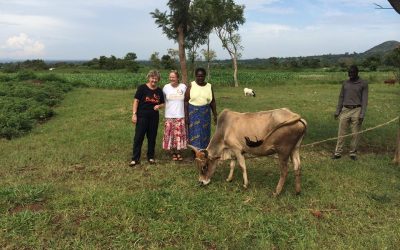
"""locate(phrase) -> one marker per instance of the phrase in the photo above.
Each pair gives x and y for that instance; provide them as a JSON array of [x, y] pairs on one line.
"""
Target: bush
[[52, 78], [23, 103], [5, 78], [26, 75]]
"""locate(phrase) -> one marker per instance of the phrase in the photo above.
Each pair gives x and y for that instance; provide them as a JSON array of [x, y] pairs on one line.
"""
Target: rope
[[317, 142], [335, 138], [343, 136]]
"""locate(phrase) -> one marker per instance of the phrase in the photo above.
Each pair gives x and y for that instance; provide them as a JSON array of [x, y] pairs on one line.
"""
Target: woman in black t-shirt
[[147, 101]]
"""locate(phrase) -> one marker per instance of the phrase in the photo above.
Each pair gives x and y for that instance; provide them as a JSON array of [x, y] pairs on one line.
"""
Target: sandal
[[174, 157], [179, 157]]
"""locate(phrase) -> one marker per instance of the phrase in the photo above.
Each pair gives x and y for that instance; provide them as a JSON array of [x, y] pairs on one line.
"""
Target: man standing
[[350, 110]]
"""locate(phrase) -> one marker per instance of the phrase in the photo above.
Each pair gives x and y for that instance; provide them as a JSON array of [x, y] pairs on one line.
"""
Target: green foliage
[[25, 75], [167, 62], [155, 60], [113, 63], [27, 99]]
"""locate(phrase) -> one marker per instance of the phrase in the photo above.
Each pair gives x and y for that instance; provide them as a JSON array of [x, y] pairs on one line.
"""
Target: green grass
[[67, 185]]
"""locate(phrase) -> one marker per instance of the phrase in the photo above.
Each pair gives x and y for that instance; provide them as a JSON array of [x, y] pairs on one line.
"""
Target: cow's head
[[205, 163]]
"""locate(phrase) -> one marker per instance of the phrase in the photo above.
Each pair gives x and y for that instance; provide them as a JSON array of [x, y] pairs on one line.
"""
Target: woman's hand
[[134, 119], [158, 107]]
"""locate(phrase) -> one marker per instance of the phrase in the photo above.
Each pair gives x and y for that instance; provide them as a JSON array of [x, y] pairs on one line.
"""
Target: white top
[[174, 100], [200, 95]]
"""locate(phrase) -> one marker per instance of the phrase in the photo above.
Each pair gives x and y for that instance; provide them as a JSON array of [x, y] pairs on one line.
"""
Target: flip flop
[[174, 157], [179, 157]]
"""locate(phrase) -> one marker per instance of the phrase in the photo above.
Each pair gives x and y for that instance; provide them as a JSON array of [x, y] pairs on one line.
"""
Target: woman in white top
[[174, 139]]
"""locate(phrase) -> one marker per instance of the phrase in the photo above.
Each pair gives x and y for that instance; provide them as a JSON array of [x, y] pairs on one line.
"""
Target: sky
[[82, 30]]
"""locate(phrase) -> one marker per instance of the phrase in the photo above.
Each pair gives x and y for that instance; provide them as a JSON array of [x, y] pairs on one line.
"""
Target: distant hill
[[382, 48]]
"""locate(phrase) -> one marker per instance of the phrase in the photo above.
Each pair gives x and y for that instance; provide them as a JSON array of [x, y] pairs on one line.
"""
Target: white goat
[[249, 92]]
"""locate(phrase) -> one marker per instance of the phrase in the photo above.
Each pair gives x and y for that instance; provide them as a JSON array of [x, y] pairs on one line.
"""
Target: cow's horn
[[196, 150]]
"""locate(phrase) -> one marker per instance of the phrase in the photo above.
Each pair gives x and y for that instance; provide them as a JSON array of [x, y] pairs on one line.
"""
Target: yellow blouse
[[200, 95]]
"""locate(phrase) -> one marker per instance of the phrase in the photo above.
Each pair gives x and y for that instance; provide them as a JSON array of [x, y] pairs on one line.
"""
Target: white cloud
[[32, 21], [22, 46]]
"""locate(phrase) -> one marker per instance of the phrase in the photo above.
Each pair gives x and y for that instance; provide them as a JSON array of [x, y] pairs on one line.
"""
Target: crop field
[[123, 80], [67, 184]]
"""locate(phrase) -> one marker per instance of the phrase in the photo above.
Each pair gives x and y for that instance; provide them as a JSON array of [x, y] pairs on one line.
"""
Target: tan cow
[[262, 133]]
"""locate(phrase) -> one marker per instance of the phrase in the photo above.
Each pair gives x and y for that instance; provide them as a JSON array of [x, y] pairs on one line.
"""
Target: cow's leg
[[283, 163], [242, 164], [232, 168], [295, 156]]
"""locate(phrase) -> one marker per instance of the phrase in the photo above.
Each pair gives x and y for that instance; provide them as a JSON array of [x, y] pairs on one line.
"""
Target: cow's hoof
[[298, 192], [275, 194], [245, 186], [229, 180]]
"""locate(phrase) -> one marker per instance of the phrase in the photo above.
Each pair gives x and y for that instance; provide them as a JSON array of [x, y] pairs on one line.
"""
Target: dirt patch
[[33, 207], [80, 218], [36, 82]]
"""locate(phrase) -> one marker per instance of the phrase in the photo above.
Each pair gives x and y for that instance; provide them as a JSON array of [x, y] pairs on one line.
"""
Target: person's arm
[[340, 102], [364, 102], [162, 102], [213, 106], [134, 110], [186, 104], [159, 106]]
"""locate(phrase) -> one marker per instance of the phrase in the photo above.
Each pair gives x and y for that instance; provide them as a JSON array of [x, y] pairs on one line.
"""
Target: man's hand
[[215, 119], [360, 120]]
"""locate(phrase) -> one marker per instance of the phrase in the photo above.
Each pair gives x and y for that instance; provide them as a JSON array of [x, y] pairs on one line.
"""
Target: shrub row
[[26, 99]]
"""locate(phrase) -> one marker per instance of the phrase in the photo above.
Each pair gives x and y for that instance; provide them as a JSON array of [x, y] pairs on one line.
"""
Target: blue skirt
[[199, 128]]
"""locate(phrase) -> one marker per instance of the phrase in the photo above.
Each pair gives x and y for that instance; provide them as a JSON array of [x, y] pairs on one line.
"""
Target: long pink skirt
[[174, 134]]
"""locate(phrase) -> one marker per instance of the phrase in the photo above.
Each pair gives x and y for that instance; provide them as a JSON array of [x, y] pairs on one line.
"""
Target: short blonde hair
[[154, 73], [175, 72]]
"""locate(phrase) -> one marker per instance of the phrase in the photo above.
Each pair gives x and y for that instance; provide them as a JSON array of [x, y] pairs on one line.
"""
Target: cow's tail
[[285, 123], [304, 122]]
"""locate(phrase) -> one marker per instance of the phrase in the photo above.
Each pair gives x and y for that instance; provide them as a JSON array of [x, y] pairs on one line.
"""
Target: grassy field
[[67, 184]]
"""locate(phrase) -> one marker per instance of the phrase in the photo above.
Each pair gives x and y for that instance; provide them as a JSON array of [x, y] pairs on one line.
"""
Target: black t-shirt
[[148, 98]]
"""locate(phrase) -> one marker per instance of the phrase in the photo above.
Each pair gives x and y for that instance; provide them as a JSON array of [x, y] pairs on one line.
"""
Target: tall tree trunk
[[235, 70], [396, 159], [395, 4], [182, 54], [208, 58]]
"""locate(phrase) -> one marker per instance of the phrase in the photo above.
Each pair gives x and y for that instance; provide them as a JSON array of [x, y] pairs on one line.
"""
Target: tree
[[175, 27], [174, 54], [155, 60], [167, 62], [200, 28], [228, 18], [209, 55], [393, 59], [102, 62], [130, 63], [395, 4], [372, 62], [273, 61]]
